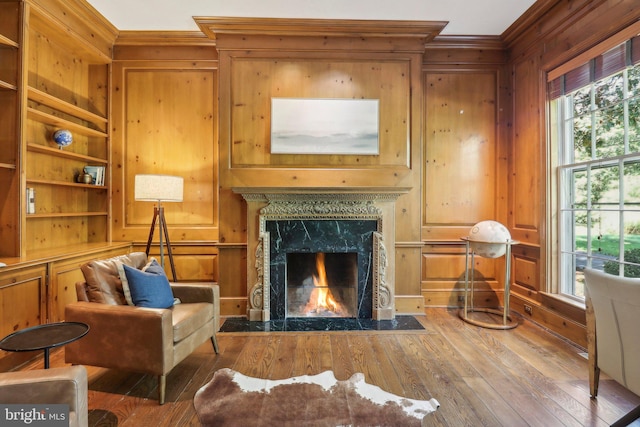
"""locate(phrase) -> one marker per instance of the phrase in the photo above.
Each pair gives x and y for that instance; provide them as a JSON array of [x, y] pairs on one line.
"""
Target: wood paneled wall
[[165, 122], [470, 143], [162, 91], [440, 137], [551, 34], [464, 159], [463, 127], [312, 59], [281, 77], [36, 292]]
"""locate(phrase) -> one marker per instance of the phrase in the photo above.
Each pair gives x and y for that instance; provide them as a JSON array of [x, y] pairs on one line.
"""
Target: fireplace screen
[[322, 284]]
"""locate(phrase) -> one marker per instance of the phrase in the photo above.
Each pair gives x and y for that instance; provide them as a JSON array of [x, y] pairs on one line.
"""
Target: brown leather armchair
[[145, 340], [67, 385]]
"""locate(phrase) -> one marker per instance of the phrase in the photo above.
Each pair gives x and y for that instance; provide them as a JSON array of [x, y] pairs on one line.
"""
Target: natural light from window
[[596, 123]]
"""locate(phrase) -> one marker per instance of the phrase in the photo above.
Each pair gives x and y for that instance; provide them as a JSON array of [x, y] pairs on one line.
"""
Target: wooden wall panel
[[442, 266], [233, 279], [526, 273], [64, 273], [245, 151], [526, 181], [36, 292], [165, 124], [557, 32], [253, 69], [22, 298], [234, 254], [194, 261], [301, 63], [407, 280], [22, 301], [254, 81], [160, 141], [438, 267], [460, 154], [463, 178], [204, 267]]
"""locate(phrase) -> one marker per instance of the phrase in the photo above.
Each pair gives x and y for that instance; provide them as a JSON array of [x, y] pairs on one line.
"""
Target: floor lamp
[[159, 188]]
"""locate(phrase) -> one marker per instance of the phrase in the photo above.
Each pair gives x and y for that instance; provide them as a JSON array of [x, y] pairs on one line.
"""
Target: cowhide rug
[[233, 399]]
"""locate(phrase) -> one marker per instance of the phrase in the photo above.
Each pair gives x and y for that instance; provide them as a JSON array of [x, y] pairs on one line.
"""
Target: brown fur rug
[[233, 399]]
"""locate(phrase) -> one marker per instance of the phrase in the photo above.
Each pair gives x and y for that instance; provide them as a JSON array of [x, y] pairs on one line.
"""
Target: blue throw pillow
[[149, 288]]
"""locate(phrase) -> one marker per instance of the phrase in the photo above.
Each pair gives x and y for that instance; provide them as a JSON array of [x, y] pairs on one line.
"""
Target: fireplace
[[339, 240], [349, 231], [321, 284]]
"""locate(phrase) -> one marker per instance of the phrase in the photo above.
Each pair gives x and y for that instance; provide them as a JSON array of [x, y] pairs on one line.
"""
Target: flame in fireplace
[[321, 301]]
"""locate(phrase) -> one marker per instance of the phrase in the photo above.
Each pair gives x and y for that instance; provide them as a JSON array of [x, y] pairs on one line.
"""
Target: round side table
[[44, 337]]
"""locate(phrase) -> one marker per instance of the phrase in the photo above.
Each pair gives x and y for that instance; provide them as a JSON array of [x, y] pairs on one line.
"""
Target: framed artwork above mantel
[[325, 126]]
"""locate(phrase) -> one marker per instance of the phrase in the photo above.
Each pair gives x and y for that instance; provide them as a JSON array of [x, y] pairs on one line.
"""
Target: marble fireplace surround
[[266, 205]]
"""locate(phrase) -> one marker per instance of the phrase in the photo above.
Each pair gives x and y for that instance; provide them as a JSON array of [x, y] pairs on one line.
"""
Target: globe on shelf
[[488, 239], [62, 137]]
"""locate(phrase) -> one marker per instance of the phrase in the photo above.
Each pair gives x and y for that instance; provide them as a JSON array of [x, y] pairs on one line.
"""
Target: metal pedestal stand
[[507, 321]]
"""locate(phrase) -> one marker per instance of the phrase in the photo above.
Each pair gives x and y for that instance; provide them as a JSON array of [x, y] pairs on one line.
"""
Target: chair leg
[[162, 385], [592, 348], [214, 341], [594, 379]]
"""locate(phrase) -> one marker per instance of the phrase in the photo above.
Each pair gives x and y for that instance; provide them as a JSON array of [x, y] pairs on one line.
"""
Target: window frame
[[560, 144]]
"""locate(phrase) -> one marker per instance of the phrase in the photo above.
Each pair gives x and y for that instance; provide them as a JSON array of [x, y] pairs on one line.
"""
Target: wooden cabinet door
[[22, 299]]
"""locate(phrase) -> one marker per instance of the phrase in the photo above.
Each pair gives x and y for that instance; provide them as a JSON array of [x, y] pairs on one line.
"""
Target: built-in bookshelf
[[68, 95], [11, 13], [53, 78], [55, 59]]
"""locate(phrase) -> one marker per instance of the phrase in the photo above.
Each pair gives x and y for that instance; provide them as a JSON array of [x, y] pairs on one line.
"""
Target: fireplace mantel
[[271, 193], [276, 203]]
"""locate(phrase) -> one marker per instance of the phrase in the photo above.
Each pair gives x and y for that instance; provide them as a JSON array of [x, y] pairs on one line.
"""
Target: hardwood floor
[[520, 377]]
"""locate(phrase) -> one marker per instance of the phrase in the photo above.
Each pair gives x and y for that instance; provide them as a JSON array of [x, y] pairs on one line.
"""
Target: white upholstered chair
[[613, 332]]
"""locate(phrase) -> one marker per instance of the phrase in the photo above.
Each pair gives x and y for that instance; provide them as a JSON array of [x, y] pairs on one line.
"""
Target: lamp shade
[[151, 188]]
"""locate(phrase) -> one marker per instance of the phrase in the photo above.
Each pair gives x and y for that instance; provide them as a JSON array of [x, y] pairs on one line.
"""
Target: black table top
[[44, 336]]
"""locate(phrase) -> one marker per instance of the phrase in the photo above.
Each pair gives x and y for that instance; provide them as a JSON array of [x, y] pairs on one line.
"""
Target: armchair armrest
[[196, 292], [122, 337], [200, 292], [67, 385]]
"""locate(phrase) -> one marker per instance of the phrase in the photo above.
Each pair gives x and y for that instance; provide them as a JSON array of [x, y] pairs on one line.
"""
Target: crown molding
[[467, 42], [213, 27], [163, 38]]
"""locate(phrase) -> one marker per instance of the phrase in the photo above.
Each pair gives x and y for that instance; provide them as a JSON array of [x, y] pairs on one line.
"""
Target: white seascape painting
[[324, 126]]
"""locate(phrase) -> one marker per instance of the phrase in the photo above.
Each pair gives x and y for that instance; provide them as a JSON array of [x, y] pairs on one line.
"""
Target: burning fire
[[321, 301]]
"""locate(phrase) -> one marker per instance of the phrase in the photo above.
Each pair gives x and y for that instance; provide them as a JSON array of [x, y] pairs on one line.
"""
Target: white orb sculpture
[[488, 239]]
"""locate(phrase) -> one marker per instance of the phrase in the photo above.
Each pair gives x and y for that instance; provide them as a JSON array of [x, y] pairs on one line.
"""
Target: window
[[595, 122]]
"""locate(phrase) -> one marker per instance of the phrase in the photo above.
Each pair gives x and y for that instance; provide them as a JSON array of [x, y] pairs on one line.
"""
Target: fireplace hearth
[[308, 324]]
